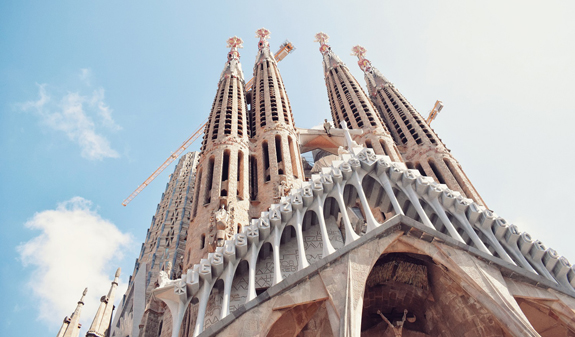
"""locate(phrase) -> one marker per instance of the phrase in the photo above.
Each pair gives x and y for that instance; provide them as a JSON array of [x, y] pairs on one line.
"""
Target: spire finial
[[234, 43], [363, 63], [322, 38], [263, 34]]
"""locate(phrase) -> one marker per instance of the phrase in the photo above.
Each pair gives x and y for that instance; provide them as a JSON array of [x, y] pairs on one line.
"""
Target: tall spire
[[275, 161], [101, 323], [221, 200], [419, 145], [349, 103], [71, 325]]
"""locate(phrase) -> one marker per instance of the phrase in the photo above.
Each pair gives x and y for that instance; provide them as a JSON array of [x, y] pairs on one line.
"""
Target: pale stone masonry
[[275, 159], [349, 103], [163, 249], [385, 237]]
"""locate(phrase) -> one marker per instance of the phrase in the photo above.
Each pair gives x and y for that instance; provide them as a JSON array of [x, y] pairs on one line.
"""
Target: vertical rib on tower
[[276, 157], [349, 103], [419, 145], [221, 200]]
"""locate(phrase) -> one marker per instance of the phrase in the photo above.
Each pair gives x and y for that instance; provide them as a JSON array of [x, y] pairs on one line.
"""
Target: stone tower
[[71, 325], [275, 160], [101, 324], [367, 246], [163, 249], [418, 144], [221, 201], [349, 103]]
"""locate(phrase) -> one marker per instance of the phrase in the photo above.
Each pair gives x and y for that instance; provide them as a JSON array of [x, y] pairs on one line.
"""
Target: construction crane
[[433, 113], [167, 163], [285, 49]]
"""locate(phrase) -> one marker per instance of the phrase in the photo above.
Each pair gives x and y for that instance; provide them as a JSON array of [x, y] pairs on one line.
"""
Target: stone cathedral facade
[[384, 235]]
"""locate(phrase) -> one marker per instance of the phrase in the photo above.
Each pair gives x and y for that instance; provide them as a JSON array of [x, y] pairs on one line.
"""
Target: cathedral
[[381, 234]]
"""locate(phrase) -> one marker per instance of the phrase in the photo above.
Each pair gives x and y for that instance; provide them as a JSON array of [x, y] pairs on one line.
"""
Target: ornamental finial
[[358, 51], [321, 37], [263, 34], [235, 42], [363, 63]]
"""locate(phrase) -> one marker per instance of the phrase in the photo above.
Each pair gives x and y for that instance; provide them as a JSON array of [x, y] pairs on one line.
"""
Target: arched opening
[[288, 252], [266, 155], [239, 291], [225, 174], [406, 205], [197, 186], [547, 321], [377, 199], [312, 239], [433, 303], [334, 222], [354, 209], [253, 178], [279, 154], [264, 268], [436, 172], [209, 176], [214, 307]]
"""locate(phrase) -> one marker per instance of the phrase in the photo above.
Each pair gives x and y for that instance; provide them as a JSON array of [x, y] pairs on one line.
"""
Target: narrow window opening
[[420, 169], [225, 173], [266, 160], [240, 171], [279, 157], [209, 176], [253, 178], [202, 241], [436, 172]]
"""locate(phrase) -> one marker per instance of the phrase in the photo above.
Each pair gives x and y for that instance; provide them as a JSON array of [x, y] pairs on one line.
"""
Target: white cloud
[[75, 249], [74, 115]]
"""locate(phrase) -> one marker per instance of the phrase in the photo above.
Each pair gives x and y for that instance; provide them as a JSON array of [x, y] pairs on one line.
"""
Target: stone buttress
[[221, 200], [275, 160], [419, 145], [349, 103]]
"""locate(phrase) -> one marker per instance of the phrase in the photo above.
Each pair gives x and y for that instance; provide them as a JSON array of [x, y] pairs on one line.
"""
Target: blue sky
[[94, 96]]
